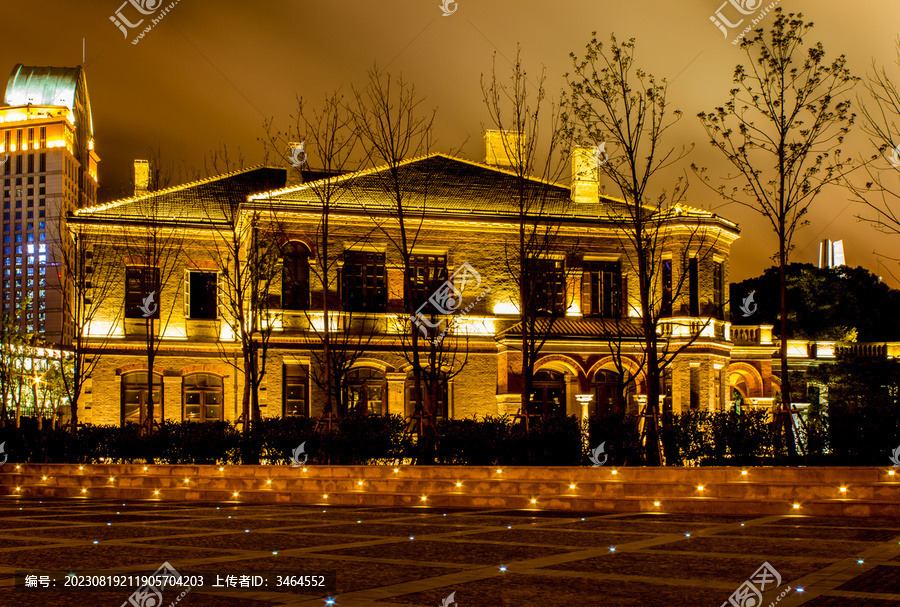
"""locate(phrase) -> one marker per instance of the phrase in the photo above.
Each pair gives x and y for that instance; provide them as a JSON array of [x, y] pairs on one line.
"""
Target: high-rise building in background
[[49, 168], [831, 253]]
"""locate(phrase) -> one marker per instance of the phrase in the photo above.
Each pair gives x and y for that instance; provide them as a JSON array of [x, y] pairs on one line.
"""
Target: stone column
[[573, 407]]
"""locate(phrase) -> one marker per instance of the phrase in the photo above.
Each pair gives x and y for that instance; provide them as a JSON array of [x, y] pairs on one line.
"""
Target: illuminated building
[[831, 253], [466, 216], [49, 168]]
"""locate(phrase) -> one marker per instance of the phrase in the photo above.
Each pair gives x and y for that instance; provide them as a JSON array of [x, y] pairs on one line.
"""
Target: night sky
[[211, 71]]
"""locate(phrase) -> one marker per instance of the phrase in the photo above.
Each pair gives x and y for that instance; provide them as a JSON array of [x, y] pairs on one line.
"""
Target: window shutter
[[215, 282], [586, 294], [187, 294], [623, 298]]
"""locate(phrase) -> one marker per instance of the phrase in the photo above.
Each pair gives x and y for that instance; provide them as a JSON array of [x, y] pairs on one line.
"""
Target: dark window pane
[[427, 274], [296, 381], [605, 284], [364, 282], [203, 295], [546, 292], [666, 288], [140, 284], [694, 286], [295, 277]]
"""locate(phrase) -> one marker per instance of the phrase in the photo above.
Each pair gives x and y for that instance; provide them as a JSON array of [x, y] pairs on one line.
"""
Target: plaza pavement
[[393, 557]]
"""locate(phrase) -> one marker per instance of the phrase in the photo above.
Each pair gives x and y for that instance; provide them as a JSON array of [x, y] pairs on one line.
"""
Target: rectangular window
[[201, 295], [694, 286], [427, 274], [549, 284], [718, 289], [142, 297], [296, 390], [31, 138], [43, 137], [602, 289], [364, 282], [42, 164]]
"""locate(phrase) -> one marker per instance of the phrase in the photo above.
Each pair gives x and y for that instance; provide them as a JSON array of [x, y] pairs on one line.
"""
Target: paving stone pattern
[[393, 557]]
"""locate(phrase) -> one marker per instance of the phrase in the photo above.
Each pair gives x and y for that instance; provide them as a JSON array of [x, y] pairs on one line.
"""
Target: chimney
[[501, 147], [141, 176], [586, 163]]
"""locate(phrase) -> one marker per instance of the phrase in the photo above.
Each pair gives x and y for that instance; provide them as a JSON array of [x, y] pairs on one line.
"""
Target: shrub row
[[691, 438]]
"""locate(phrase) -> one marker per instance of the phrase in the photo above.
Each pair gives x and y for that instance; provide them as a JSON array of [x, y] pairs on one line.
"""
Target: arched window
[[442, 410], [364, 391], [136, 397], [295, 276], [607, 390], [203, 397], [548, 394]]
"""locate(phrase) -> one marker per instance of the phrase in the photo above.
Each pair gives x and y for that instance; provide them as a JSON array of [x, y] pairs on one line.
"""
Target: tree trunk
[[786, 425], [151, 359]]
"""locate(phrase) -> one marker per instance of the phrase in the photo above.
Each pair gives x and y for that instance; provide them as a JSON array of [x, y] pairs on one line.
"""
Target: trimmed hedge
[[691, 438]]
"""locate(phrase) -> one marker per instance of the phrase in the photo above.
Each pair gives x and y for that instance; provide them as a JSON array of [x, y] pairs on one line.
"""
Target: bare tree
[[880, 195], [247, 254], [89, 265], [623, 113], [781, 129], [327, 137], [445, 338], [153, 244], [393, 127], [539, 261]]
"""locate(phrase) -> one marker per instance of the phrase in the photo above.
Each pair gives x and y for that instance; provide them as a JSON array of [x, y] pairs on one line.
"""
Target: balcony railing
[[761, 335]]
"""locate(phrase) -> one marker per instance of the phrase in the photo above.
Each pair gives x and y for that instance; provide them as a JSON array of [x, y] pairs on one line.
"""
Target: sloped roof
[[202, 201], [588, 328], [443, 184]]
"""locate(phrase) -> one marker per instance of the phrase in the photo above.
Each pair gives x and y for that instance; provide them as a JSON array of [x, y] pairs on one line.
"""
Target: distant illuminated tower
[[831, 253], [49, 168]]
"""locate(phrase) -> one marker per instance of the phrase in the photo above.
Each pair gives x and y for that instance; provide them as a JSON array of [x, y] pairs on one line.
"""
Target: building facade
[[169, 243], [49, 168]]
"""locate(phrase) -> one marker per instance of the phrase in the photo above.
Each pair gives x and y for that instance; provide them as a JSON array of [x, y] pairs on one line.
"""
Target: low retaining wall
[[869, 491]]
